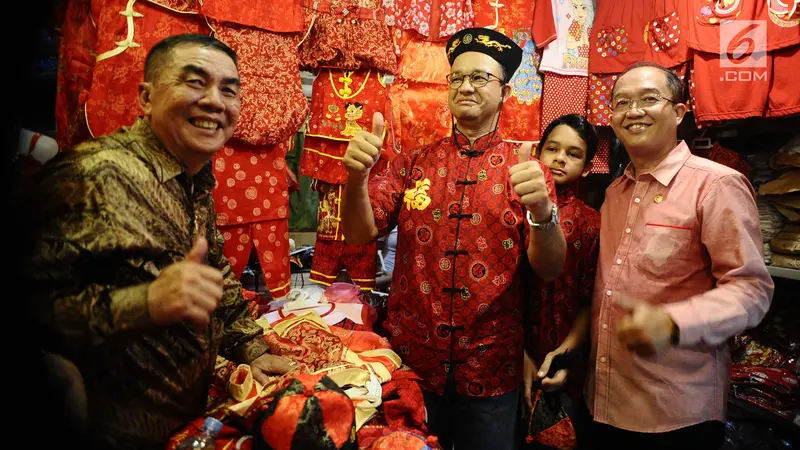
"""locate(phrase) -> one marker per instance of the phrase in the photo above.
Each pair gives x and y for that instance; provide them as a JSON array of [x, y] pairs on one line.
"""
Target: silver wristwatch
[[554, 220]]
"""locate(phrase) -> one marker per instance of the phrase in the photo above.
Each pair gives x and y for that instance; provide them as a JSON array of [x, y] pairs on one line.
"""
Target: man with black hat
[[468, 209]]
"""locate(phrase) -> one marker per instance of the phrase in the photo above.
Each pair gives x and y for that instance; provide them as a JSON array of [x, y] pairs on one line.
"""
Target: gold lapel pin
[[658, 198]]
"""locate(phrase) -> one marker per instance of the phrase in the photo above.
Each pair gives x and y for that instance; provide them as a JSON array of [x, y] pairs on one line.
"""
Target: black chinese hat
[[311, 413], [483, 40]]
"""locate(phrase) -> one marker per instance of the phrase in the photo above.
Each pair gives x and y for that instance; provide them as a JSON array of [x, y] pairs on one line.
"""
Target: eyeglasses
[[476, 79], [622, 105]]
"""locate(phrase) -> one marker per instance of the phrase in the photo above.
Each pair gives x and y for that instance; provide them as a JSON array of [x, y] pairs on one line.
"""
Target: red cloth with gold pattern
[[520, 119], [420, 115], [461, 262], [251, 183], [270, 239], [555, 305], [76, 59], [416, 15], [251, 198], [707, 16], [273, 104], [628, 31], [262, 14], [126, 31], [563, 94], [342, 104], [346, 34]]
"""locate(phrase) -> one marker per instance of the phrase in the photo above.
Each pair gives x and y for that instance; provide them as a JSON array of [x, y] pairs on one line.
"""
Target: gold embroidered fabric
[[113, 213]]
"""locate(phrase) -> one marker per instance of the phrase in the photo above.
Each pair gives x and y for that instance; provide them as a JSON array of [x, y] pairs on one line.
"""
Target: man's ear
[[145, 103], [680, 109], [587, 169], [506, 92]]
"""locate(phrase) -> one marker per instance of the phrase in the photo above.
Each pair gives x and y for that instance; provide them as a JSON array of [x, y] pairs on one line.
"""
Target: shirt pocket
[[664, 249]]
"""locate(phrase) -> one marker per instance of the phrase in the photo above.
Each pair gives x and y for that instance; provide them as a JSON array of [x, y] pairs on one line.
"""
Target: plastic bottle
[[205, 438]]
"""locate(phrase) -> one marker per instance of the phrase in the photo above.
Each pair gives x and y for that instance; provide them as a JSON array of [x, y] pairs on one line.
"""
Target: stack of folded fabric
[[771, 224], [761, 172], [783, 194]]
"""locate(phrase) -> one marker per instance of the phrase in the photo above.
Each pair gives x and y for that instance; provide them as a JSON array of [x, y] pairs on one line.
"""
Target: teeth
[[207, 124], [637, 127]]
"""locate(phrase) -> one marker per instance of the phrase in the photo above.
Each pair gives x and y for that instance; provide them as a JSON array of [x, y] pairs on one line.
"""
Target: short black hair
[[581, 126], [674, 83], [158, 56]]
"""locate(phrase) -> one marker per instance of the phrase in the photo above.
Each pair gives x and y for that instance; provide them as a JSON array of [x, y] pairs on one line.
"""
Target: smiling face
[[564, 152], [193, 104], [652, 129], [471, 105], [580, 9]]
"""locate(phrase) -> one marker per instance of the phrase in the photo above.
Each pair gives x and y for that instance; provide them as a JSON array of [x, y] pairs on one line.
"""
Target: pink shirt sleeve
[[743, 293]]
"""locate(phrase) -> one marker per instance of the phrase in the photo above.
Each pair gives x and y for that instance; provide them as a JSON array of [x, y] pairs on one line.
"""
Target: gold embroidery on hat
[[455, 44], [467, 38], [483, 39], [658, 198]]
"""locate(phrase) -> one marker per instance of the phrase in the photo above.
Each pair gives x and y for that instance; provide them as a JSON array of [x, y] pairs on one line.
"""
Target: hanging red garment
[[346, 34], [342, 104], [126, 31], [262, 14], [273, 104], [520, 118], [331, 253], [727, 157], [771, 31], [252, 203], [415, 15], [628, 31], [76, 59]]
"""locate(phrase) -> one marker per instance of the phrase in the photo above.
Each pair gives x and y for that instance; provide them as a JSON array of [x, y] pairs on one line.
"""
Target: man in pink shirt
[[680, 271]]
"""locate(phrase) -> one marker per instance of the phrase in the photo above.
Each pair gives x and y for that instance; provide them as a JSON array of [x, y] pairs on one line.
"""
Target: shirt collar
[[666, 169], [165, 165], [480, 145]]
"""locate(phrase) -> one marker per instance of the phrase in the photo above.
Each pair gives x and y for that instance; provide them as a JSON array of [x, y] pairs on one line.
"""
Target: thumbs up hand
[[364, 149], [647, 329], [186, 290], [527, 179]]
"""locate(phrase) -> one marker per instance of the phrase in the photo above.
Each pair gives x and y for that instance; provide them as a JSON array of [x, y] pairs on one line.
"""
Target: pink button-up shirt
[[685, 236]]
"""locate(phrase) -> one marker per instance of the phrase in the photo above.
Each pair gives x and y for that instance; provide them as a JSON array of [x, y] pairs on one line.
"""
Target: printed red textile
[[330, 257], [273, 104], [270, 239], [126, 31], [77, 53], [262, 14], [346, 35]]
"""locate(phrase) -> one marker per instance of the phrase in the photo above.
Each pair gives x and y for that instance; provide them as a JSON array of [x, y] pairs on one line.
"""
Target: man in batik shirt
[[474, 214], [128, 276]]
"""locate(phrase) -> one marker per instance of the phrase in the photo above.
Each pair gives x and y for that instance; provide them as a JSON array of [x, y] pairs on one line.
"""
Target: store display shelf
[[782, 272]]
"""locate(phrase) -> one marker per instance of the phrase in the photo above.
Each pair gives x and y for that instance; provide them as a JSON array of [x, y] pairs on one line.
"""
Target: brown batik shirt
[[115, 212]]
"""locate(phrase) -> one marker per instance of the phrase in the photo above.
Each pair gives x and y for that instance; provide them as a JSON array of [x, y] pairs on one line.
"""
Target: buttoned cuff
[[250, 350], [129, 307], [691, 325]]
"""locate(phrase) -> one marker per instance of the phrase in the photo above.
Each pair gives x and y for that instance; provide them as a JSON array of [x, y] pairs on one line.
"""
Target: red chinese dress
[[457, 293]]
